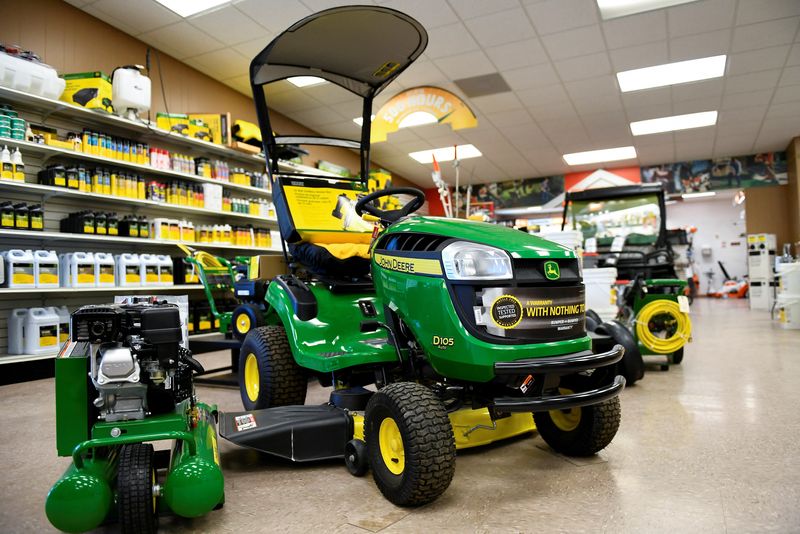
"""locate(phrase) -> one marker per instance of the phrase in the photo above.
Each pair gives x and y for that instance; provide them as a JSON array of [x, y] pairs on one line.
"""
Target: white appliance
[[130, 90]]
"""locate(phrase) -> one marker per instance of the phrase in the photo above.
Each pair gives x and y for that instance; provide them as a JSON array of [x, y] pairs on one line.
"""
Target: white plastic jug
[[788, 308], [129, 270], [63, 322], [601, 291], [46, 268], [149, 269], [789, 279], [41, 332], [165, 275], [16, 327], [19, 268], [77, 269], [104, 269]]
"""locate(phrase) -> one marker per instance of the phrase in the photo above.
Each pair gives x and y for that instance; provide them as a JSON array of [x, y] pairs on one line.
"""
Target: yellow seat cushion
[[344, 251]]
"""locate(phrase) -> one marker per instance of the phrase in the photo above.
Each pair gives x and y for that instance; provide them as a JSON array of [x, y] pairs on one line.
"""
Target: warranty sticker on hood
[[245, 422]]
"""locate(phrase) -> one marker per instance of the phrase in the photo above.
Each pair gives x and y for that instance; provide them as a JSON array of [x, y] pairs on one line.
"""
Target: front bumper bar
[[560, 365]]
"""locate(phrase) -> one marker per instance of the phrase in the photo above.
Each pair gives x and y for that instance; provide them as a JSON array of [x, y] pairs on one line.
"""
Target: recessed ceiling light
[[596, 156], [676, 122], [689, 196], [187, 8], [305, 81], [446, 154], [360, 120], [672, 73], [611, 9]]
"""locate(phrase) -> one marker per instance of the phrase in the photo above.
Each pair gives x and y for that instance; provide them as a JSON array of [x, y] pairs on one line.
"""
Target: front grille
[[411, 242]]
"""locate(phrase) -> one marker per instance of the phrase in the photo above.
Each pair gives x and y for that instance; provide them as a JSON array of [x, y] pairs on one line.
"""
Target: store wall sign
[[444, 106]]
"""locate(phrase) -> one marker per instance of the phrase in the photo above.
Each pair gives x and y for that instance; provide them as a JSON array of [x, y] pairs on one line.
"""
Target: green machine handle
[[77, 452]]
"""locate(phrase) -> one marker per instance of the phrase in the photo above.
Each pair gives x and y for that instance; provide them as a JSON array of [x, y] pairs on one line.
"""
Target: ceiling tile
[[526, 135], [225, 63], [465, 65], [636, 29], [148, 15], [752, 82], [746, 100], [79, 3], [431, 13], [649, 97], [181, 40], [650, 111], [699, 45], [220, 25], [556, 111], [288, 102], [784, 110], [794, 56], [696, 106], [543, 96], [598, 104], [588, 66], [730, 145], [553, 16], [241, 84], [121, 25], [517, 54], [499, 102], [331, 94], [593, 87], [654, 140], [786, 94], [757, 60], [656, 154], [760, 10], [742, 120], [573, 43], [533, 76], [254, 47], [695, 90], [700, 17], [420, 73], [504, 119], [640, 56], [764, 34], [790, 76], [315, 117], [468, 9], [275, 15], [450, 40], [500, 27]]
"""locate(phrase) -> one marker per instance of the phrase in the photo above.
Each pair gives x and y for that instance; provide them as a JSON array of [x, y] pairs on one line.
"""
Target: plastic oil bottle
[[45, 268], [41, 331], [104, 268], [19, 166], [77, 269], [19, 268], [16, 329], [129, 270], [63, 322], [149, 269], [7, 167], [165, 266]]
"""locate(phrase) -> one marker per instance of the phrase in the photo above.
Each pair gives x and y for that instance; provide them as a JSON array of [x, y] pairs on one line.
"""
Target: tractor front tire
[[580, 431], [268, 374], [410, 444], [677, 356], [136, 476], [244, 318]]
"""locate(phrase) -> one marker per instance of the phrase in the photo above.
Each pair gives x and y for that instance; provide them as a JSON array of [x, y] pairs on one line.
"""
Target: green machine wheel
[[244, 318], [268, 373], [136, 479], [410, 443]]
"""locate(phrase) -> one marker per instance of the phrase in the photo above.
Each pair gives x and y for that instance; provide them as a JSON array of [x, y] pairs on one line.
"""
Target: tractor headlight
[[473, 261]]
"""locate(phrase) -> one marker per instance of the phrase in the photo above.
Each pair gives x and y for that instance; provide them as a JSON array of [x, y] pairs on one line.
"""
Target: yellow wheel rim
[[243, 323], [391, 444], [252, 380], [153, 487], [566, 420]]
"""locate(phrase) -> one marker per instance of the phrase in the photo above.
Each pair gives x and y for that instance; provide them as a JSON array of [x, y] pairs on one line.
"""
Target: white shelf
[[114, 289], [64, 236], [19, 358], [48, 151], [53, 191]]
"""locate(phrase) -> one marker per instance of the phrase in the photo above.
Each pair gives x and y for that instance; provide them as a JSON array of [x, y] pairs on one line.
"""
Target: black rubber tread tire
[[282, 381], [356, 458], [594, 316], [135, 489], [256, 318], [677, 356], [428, 442], [598, 426], [632, 364]]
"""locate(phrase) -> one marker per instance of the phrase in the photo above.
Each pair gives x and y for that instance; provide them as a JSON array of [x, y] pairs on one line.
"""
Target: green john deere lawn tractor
[[469, 332]]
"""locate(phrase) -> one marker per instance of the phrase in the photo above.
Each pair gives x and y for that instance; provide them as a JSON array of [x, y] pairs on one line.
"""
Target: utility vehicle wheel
[[136, 500], [410, 443], [677, 356], [245, 318], [593, 315], [579, 431], [355, 457], [268, 374], [631, 366]]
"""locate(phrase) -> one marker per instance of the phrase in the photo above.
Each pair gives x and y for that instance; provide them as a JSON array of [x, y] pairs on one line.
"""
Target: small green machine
[[469, 332], [122, 382]]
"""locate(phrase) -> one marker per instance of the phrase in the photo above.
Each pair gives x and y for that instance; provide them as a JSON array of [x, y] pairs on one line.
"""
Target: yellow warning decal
[[409, 265], [386, 69]]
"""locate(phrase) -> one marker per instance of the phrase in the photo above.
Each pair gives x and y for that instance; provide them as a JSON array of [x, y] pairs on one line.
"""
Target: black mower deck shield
[[559, 365]]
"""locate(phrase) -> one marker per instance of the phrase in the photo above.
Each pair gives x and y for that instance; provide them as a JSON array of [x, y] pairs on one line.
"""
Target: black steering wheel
[[364, 204]]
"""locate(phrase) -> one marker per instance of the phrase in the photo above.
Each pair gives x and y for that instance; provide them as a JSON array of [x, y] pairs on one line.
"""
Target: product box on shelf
[[28, 75], [219, 126], [173, 122], [88, 89]]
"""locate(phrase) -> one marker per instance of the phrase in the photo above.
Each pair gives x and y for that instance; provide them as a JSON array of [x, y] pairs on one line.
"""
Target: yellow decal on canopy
[[443, 105]]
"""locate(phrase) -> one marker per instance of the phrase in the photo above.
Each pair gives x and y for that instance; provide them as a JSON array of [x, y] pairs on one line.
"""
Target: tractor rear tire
[[410, 444], [677, 356], [136, 476], [591, 431], [593, 315], [268, 373], [244, 318]]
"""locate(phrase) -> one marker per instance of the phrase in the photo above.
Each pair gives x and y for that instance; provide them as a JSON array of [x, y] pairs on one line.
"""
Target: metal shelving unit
[[114, 289]]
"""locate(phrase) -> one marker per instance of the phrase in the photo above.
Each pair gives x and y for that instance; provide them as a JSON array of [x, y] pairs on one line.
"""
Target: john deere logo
[[551, 270]]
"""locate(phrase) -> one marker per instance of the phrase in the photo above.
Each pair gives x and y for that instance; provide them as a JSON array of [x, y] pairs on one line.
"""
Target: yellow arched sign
[[442, 105]]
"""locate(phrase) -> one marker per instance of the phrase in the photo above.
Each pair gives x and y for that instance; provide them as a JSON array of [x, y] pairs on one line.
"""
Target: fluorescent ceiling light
[[676, 122], [305, 81], [596, 156], [360, 120], [446, 154], [611, 9], [687, 196], [672, 73], [187, 8], [414, 119]]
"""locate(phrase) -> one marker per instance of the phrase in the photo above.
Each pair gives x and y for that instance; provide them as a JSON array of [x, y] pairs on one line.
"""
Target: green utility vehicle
[[465, 329]]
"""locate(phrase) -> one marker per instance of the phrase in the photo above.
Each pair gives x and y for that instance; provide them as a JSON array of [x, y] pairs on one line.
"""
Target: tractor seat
[[332, 260]]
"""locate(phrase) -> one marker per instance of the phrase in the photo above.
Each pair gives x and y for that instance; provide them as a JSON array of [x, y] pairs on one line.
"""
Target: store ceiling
[[559, 59]]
